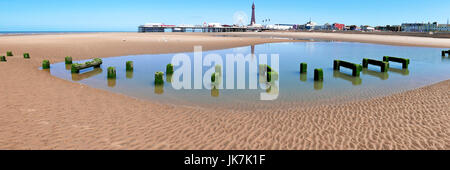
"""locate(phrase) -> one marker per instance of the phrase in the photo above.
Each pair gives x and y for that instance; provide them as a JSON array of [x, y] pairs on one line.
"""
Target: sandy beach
[[39, 111]]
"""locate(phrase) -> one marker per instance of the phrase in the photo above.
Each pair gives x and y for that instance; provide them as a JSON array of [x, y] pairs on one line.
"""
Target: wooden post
[[45, 64], [26, 55], [336, 65], [303, 68], [159, 78], [68, 60], [318, 74], [111, 72], [129, 66], [169, 69]]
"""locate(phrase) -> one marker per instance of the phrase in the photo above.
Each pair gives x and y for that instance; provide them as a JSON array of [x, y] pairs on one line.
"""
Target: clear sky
[[126, 15]]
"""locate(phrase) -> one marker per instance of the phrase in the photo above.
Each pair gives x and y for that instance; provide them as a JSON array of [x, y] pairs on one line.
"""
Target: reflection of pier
[[381, 75], [79, 77], [355, 80], [404, 72]]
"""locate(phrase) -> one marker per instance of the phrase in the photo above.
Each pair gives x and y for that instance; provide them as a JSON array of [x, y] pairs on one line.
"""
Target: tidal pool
[[293, 89]]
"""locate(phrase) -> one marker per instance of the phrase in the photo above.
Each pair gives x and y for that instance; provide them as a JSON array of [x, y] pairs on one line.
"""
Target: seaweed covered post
[[356, 72], [403, 61], [303, 68], [26, 55], [318, 74], [111, 72], [169, 69], [68, 60], [94, 63], [159, 78], [129, 66], [213, 77], [336, 65], [9, 53], [45, 64], [2, 59]]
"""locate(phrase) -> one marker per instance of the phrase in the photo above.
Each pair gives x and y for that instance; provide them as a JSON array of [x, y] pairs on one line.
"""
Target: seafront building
[[425, 27]]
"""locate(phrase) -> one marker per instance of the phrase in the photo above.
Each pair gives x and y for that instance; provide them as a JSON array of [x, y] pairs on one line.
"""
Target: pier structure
[[197, 28]]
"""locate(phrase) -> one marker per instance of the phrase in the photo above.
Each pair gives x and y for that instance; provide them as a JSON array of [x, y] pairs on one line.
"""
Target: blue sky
[[126, 15]]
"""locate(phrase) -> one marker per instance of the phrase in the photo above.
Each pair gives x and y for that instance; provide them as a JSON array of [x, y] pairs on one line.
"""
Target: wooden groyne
[[384, 66], [404, 61], [94, 63], [355, 67]]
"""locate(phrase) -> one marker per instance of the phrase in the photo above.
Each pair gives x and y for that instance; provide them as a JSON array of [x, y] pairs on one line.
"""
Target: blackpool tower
[[253, 22]]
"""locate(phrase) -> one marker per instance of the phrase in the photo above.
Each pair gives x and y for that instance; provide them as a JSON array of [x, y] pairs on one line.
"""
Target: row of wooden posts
[[10, 54], [357, 68]]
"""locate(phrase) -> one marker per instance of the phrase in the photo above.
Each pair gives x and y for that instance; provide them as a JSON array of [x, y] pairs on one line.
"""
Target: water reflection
[[169, 78], [272, 89], [85, 75], [381, 75], [111, 82], [214, 92], [355, 80], [404, 72], [129, 74], [159, 89], [303, 77], [318, 85]]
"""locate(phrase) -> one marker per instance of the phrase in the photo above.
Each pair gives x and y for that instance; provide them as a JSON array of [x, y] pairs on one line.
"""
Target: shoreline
[[45, 112]]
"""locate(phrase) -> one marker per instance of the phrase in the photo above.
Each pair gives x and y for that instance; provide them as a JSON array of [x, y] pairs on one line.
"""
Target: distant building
[[310, 25], [367, 28], [281, 26], [425, 27], [390, 28], [337, 26]]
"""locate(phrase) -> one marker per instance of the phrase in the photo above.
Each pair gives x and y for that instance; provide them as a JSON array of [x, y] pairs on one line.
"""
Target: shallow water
[[427, 67]]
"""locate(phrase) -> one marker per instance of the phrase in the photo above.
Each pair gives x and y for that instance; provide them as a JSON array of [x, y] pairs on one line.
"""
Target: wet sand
[[39, 111]]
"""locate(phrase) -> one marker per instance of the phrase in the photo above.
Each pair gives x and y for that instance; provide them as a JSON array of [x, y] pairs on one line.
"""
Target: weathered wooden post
[[159, 78], [169, 69], [2, 58], [9, 53], [336, 65], [111, 72], [68, 60], [404, 61], [303, 68], [318, 74], [45, 64], [213, 77], [129, 66], [26, 55]]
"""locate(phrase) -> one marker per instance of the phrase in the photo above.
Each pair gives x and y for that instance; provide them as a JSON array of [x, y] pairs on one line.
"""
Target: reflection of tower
[[253, 22]]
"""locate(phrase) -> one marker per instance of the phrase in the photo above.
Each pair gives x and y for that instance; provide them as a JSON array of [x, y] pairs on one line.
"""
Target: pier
[[173, 28]]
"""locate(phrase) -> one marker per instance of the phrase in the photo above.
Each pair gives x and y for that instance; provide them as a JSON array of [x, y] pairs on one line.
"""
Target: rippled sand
[[39, 111]]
